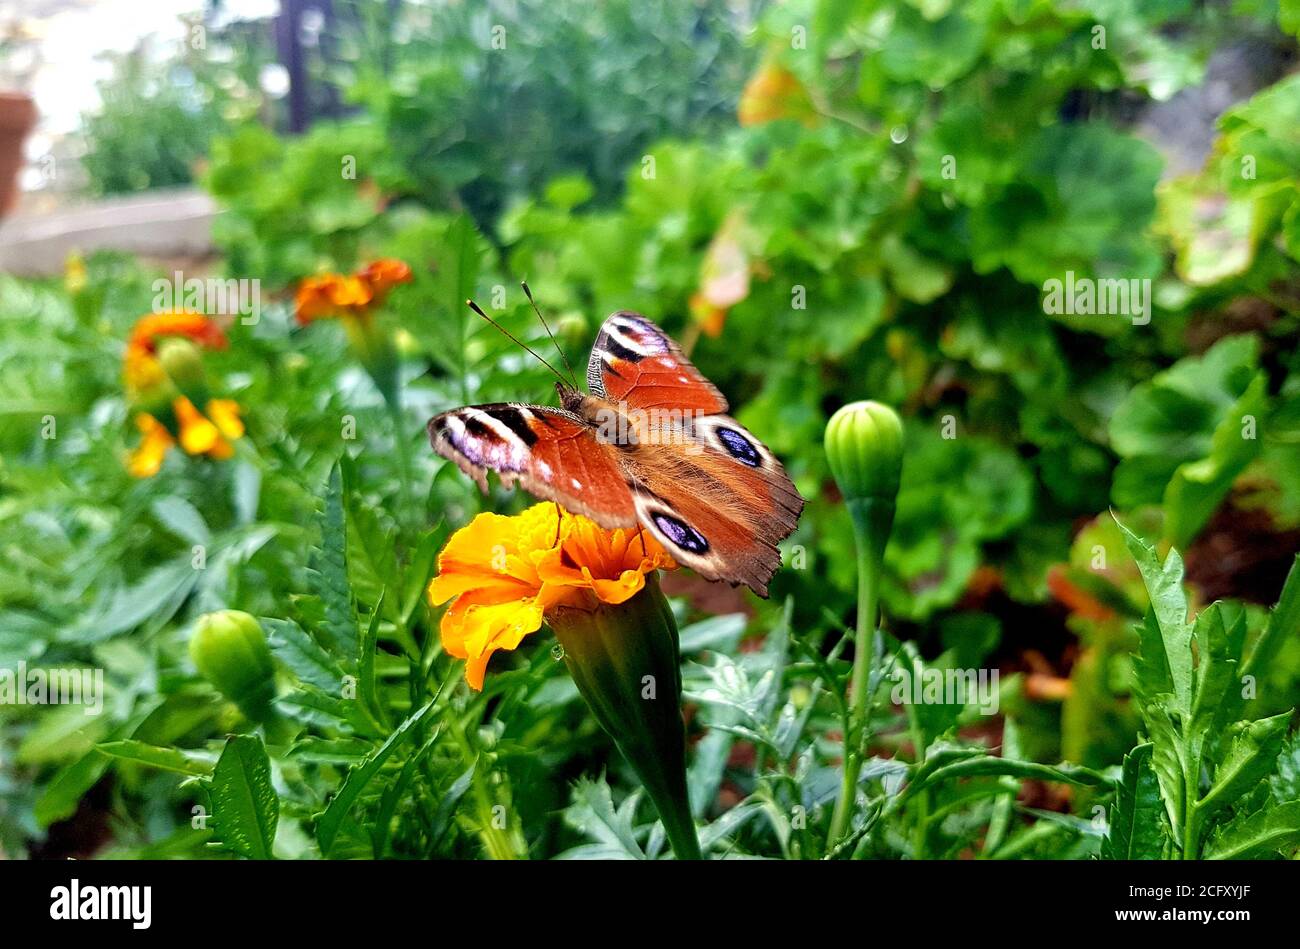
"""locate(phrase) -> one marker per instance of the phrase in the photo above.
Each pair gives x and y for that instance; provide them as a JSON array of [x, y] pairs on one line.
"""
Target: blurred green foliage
[[159, 112], [889, 238]]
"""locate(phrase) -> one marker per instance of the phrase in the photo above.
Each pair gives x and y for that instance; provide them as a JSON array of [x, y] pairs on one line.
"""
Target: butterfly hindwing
[[635, 363], [554, 454], [719, 502]]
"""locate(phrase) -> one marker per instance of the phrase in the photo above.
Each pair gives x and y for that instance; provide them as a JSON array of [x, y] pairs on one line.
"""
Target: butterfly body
[[650, 446]]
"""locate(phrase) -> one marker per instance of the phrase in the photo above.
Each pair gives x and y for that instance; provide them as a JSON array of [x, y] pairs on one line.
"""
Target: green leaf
[[1136, 825], [1219, 641], [1168, 757], [933, 51], [65, 790], [593, 813], [396, 790], [1284, 785], [1251, 755], [1197, 487], [168, 759], [330, 576], [1267, 831], [182, 519], [368, 686], [1164, 583], [293, 646], [988, 766], [331, 820], [245, 807], [1283, 626]]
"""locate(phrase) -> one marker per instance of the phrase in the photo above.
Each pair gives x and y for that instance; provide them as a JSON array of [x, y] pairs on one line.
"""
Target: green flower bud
[[230, 651], [625, 659], [182, 362], [181, 359], [864, 445]]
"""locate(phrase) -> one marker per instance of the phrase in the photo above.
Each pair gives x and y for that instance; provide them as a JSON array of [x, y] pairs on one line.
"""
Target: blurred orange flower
[[164, 377], [506, 574], [140, 364], [331, 294]]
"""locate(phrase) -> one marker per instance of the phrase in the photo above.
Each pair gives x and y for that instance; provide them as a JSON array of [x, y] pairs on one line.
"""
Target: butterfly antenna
[[567, 365], [514, 339]]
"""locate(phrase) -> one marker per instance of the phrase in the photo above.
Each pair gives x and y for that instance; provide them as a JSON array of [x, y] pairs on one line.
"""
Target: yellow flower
[[201, 433], [507, 574]]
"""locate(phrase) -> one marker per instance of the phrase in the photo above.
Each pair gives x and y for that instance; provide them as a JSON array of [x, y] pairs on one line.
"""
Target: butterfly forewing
[[554, 454], [635, 363]]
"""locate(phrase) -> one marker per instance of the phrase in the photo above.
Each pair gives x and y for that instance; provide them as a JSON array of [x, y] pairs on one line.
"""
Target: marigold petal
[[224, 413], [473, 630], [348, 292], [311, 300], [195, 326], [494, 551], [147, 458], [384, 274], [628, 585], [198, 435]]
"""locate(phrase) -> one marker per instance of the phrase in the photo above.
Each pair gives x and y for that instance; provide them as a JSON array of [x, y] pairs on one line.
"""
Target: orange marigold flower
[[506, 574], [332, 294], [140, 364]]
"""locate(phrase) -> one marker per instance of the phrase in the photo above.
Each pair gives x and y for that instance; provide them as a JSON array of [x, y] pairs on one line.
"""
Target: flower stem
[[872, 519]]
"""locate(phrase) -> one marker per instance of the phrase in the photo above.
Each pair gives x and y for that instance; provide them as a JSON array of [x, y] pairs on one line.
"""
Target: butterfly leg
[[641, 536], [559, 517]]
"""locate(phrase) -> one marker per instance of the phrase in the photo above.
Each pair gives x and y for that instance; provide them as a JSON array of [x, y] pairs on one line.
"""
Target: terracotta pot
[[17, 119]]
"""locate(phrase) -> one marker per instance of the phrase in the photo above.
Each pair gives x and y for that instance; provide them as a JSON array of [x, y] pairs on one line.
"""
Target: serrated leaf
[[1219, 639], [1164, 583], [1167, 759], [304, 657], [396, 790], [593, 813], [1251, 754], [368, 687], [1271, 830], [1136, 824], [989, 766], [330, 575], [245, 807]]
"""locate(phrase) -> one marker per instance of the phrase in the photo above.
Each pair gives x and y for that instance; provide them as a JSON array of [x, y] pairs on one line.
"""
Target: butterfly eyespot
[[739, 447], [680, 533]]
